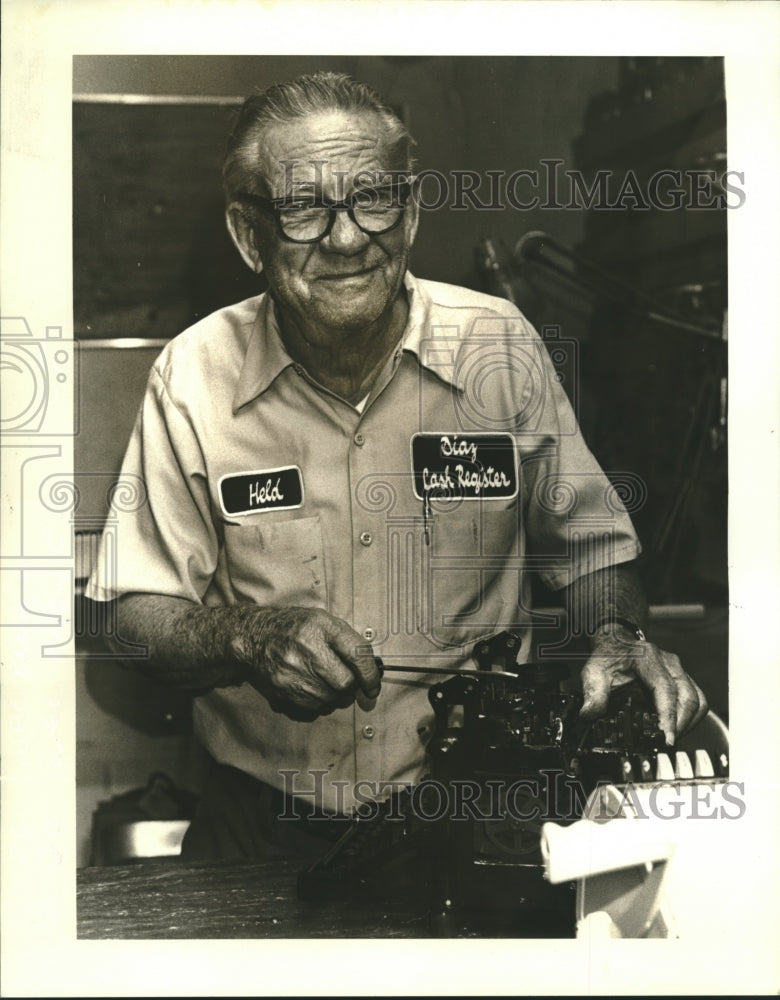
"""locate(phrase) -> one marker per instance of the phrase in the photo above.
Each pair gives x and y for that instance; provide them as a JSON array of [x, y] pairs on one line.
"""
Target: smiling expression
[[349, 280]]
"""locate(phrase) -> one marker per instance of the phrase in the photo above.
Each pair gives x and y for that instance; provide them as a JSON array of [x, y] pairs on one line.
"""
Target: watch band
[[632, 627]]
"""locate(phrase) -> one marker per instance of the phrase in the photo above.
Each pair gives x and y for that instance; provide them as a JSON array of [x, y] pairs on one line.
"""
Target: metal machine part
[[509, 753]]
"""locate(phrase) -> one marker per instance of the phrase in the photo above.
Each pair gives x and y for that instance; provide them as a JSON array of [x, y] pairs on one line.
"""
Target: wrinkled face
[[348, 279]]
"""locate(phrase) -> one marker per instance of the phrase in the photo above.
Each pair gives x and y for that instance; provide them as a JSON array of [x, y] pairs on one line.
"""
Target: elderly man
[[355, 464]]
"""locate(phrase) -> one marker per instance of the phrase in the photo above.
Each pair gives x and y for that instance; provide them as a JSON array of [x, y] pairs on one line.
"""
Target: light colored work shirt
[[416, 520]]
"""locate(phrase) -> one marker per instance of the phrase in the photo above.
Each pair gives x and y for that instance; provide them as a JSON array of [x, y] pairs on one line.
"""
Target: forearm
[[187, 644], [615, 591], [303, 660]]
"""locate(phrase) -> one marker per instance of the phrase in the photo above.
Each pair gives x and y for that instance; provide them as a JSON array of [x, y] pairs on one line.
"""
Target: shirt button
[[360, 439], [368, 732], [368, 633], [366, 538]]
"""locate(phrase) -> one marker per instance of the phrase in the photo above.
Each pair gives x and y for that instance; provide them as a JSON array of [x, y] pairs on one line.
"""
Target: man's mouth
[[347, 275]]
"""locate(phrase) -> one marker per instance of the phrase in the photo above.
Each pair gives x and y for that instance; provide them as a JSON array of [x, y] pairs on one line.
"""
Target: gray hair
[[306, 95]]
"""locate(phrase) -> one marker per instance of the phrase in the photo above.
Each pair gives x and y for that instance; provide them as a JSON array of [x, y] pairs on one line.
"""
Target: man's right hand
[[306, 662]]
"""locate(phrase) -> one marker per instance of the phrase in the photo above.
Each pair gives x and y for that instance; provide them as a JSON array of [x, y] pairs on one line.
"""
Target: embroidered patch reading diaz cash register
[[466, 466], [266, 489]]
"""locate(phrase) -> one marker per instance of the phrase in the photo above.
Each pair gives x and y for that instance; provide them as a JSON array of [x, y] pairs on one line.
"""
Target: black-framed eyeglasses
[[306, 219]]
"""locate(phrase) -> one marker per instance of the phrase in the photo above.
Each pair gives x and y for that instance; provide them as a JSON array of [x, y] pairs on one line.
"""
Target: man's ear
[[242, 234], [411, 216], [411, 219]]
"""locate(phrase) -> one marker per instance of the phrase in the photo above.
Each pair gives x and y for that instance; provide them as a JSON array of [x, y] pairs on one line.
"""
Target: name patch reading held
[[267, 489], [467, 466]]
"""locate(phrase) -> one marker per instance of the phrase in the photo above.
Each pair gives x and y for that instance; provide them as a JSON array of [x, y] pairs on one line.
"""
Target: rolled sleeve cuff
[[591, 561]]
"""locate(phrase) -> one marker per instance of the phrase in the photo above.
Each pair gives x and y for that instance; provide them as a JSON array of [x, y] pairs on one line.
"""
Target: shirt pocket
[[473, 573], [277, 562]]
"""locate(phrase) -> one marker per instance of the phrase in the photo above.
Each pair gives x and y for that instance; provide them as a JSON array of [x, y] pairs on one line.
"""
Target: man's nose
[[346, 237]]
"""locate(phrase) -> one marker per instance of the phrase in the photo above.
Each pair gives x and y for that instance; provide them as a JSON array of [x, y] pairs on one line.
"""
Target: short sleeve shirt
[[415, 519]]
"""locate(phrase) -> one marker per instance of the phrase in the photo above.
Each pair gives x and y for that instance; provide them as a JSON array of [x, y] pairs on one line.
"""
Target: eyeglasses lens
[[375, 212]]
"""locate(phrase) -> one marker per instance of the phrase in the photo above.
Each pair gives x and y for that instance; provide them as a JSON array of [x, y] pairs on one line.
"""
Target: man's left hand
[[679, 701]]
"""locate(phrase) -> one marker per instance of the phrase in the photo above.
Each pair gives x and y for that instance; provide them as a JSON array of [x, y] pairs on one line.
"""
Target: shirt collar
[[435, 348], [265, 357]]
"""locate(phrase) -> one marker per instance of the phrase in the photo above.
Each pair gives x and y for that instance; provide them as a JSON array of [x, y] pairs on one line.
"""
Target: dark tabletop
[[173, 899]]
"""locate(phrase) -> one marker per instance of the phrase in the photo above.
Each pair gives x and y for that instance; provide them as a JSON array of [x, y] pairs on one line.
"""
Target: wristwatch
[[632, 627]]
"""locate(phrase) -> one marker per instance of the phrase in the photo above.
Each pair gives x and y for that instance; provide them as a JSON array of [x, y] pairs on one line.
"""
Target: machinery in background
[[652, 368]]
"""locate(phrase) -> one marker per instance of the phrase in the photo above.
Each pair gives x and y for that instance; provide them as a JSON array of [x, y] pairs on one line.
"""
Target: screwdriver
[[393, 667]]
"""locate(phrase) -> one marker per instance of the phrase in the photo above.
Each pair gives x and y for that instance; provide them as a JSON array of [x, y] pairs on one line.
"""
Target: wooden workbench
[[224, 900], [172, 899]]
